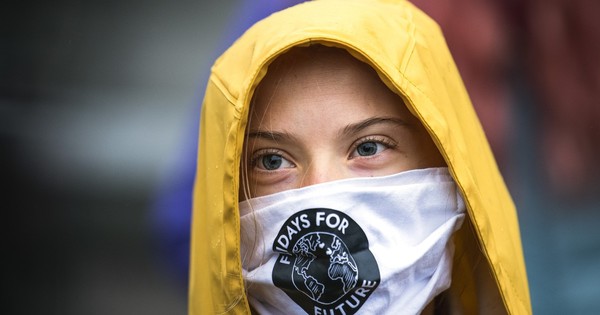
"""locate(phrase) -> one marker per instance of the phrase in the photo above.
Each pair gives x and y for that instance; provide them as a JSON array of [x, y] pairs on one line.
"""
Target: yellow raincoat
[[410, 55]]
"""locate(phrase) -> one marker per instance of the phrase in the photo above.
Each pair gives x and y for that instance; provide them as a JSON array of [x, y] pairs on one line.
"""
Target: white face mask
[[380, 245]]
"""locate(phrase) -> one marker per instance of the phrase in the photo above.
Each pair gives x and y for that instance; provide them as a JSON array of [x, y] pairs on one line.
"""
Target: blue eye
[[368, 148], [271, 161]]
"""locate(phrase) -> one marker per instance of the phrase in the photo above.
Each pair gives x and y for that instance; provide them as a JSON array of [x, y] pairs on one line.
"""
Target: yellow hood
[[408, 51]]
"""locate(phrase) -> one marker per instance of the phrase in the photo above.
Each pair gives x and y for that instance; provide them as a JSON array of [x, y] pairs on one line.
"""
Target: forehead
[[302, 66], [325, 81]]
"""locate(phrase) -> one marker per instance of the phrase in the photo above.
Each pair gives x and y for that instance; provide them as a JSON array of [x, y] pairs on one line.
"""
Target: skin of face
[[321, 115]]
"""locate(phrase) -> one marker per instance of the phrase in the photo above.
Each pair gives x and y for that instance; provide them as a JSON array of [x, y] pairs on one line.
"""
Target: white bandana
[[380, 245]]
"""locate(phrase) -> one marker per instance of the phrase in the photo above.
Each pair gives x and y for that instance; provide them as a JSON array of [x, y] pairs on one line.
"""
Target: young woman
[[343, 170]]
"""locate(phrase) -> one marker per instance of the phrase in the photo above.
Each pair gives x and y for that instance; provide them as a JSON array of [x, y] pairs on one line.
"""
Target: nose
[[321, 171]]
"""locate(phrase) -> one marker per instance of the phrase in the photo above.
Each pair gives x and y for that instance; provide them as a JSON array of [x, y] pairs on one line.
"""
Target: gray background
[[97, 98]]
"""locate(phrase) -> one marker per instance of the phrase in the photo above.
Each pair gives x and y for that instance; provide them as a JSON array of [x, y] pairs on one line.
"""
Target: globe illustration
[[324, 268]]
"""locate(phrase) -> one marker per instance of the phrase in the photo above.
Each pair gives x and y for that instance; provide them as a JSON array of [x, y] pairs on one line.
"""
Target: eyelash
[[256, 156], [385, 141]]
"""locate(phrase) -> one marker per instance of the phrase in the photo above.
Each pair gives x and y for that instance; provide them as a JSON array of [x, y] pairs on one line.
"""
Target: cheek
[[389, 162], [428, 154], [274, 183]]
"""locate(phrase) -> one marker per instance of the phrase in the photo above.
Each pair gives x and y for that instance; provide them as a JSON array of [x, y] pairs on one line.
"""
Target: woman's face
[[322, 115]]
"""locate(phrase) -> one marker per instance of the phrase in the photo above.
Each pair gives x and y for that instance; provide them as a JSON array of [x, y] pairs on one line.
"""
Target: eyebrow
[[271, 135], [349, 129], [361, 125]]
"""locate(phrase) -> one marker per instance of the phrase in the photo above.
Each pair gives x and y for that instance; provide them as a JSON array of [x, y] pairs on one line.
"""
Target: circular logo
[[324, 264]]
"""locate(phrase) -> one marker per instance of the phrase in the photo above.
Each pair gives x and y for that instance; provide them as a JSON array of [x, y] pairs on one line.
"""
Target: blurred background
[[99, 106]]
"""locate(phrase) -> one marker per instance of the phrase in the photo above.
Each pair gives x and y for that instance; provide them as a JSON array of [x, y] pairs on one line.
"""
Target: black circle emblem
[[324, 264]]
